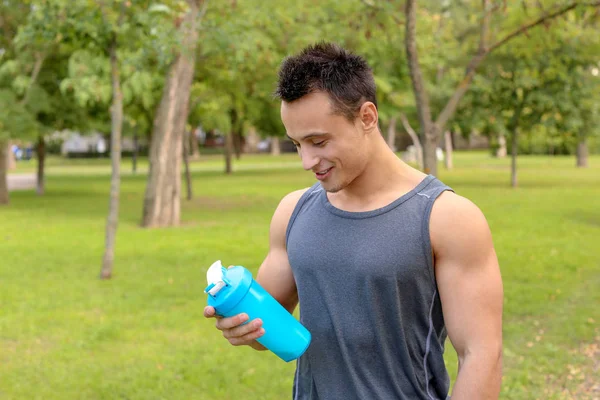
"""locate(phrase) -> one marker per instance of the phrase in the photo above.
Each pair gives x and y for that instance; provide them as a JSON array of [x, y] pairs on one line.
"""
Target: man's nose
[[309, 159]]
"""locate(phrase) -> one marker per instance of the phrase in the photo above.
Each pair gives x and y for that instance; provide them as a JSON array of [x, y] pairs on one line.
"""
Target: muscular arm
[[274, 275], [470, 286]]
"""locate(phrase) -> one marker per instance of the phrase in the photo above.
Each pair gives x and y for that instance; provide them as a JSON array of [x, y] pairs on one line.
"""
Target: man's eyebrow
[[309, 135]]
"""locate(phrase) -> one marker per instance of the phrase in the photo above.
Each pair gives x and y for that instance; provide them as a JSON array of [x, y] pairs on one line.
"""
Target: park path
[[21, 181]]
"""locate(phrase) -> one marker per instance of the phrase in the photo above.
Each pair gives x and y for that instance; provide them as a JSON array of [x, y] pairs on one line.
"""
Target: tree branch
[[406, 124], [535, 23], [460, 91], [415, 139], [482, 52], [371, 4], [203, 10], [37, 67]]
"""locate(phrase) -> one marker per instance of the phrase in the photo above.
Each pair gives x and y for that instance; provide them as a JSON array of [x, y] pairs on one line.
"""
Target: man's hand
[[237, 330], [274, 275]]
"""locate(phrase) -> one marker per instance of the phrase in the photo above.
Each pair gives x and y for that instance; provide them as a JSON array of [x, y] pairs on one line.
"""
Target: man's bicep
[[468, 276], [275, 274], [472, 305], [276, 277]]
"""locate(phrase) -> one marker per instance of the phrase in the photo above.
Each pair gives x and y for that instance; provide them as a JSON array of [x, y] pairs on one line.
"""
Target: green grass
[[101, 166], [64, 334]]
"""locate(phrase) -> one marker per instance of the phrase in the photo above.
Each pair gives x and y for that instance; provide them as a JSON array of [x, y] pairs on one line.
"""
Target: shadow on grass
[[587, 218], [86, 198]]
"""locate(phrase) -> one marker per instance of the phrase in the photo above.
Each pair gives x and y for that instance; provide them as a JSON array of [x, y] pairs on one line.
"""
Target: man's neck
[[384, 179]]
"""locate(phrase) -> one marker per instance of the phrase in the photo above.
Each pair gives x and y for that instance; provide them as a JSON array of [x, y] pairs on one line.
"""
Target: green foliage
[[81, 33], [540, 84], [243, 43], [15, 120]]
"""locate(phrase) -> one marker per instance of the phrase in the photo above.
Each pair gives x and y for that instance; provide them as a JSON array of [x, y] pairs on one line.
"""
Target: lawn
[[64, 334]]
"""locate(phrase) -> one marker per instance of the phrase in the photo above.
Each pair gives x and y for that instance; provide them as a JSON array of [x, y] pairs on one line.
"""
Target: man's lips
[[323, 173]]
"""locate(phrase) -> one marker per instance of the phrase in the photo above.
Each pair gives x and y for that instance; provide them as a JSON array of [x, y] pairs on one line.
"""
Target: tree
[[162, 199], [577, 100], [538, 88], [42, 63], [101, 28], [239, 61], [430, 128], [15, 121], [100, 39]]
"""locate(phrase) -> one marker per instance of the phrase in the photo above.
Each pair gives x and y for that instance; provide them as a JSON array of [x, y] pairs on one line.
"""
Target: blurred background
[[140, 141]]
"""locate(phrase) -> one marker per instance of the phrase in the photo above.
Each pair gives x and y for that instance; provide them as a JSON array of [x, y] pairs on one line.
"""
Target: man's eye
[[319, 144]]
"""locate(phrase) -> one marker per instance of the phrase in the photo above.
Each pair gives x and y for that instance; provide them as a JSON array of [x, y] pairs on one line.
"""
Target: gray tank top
[[368, 295]]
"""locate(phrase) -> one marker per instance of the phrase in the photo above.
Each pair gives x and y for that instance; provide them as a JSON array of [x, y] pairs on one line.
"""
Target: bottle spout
[[215, 277]]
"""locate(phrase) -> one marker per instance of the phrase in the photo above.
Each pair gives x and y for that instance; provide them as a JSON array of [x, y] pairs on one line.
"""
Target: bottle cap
[[216, 278]]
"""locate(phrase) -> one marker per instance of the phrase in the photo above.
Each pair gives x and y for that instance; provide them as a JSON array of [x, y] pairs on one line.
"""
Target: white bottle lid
[[215, 278]]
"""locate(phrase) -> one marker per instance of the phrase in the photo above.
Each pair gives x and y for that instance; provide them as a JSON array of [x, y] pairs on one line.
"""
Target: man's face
[[330, 146]]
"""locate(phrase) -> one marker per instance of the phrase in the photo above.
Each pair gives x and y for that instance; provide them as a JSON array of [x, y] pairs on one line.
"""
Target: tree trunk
[[237, 144], [4, 152], [582, 153], [430, 146], [514, 151], [501, 152], [195, 153], [116, 116], [415, 139], [275, 146], [428, 130], [135, 153], [228, 152], [448, 144], [252, 140], [41, 157], [186, 162], [163, 192], [391, 133], [236, 127], [513, 126]]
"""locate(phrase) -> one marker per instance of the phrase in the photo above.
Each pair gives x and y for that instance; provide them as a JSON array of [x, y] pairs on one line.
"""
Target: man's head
[[328, 68], [329, 110]]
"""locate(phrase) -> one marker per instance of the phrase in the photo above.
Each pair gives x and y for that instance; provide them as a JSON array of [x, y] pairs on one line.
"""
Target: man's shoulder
[[291, 199], [287, 205], [456, 221], [452, 209]]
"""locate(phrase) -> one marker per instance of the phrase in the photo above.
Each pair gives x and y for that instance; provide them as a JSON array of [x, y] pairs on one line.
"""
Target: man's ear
[[368, 116]]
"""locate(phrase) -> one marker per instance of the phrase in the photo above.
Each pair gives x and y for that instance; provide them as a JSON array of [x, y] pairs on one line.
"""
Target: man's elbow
[[490, 355]]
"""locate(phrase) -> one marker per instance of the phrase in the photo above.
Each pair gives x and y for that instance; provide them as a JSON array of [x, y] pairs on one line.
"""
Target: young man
[[384, 260]]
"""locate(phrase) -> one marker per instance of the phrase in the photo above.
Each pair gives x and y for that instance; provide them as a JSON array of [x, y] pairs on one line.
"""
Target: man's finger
[[243, 330], [248, 338], [232, 322], [209, 312]]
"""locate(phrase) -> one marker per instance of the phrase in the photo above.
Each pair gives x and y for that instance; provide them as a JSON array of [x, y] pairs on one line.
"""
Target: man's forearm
[[479, 377]]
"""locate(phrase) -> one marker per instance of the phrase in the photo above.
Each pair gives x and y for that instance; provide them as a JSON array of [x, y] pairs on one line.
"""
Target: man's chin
[[330, 188]]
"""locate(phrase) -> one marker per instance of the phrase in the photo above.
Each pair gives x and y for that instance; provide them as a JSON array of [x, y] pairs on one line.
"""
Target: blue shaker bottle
[[233, 291]]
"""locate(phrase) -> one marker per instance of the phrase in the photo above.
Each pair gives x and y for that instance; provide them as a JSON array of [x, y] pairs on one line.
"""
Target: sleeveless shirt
[[368, 295]]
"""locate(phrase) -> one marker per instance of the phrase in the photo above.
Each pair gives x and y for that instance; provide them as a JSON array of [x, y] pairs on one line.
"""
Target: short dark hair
[[327, 67]]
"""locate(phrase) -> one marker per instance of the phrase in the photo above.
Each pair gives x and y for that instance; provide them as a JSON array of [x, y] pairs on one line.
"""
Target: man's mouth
[[323, 174]]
